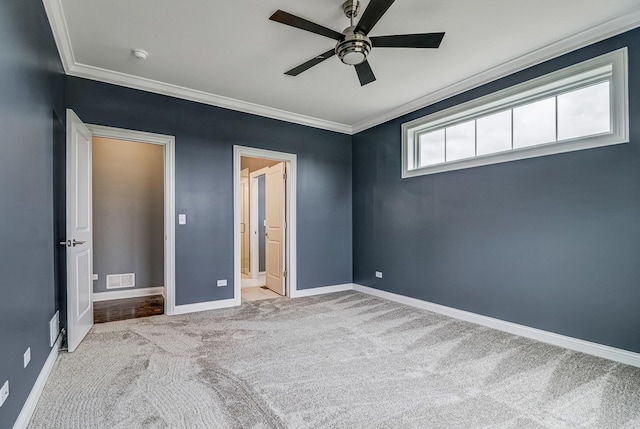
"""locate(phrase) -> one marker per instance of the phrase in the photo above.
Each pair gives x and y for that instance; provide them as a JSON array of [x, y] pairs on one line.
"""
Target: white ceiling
[[231, 49]]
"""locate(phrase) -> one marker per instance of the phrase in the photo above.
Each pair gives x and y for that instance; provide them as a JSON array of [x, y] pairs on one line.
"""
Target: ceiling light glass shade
[[353, 58]]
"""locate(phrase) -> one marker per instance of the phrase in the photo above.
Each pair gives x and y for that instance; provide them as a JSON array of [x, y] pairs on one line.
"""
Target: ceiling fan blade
[[301, 23], [372, 15], [426, 40], [312, 62], [365, 74]]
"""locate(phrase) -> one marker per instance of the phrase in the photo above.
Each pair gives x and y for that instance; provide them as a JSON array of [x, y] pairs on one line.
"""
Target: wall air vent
[[119, 281]]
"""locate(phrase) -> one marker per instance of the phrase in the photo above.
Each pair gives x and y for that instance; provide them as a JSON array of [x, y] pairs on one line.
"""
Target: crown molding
[[602, 31], [55, 13], [58, 24], [149, 85]]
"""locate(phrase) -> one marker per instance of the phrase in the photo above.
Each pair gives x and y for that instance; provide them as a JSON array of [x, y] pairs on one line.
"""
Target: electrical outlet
[[4, 392], [182, 219], [222, 282], [27, 357], [379, 274]]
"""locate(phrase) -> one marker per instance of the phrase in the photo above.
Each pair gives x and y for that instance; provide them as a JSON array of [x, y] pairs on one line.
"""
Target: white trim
[[595, 33], [291, 236], [204, 306], [36, 391], [169, 143], [322, 290], [551, 84], [625, 22], [255, 239], [130, 293], [58, 23], [606, 352]]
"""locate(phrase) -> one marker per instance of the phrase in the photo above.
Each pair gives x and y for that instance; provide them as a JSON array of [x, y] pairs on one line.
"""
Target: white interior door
[[275, 228], [244, 226], [79, 231]]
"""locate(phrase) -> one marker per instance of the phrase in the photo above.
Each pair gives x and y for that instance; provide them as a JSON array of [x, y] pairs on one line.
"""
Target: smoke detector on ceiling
[[140, 54]]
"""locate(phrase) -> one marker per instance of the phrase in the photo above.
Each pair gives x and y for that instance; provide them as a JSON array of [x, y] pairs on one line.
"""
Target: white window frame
[[539, 88]]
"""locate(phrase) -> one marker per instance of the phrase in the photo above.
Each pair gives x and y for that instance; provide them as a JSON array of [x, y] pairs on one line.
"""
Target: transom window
[[579, 107]]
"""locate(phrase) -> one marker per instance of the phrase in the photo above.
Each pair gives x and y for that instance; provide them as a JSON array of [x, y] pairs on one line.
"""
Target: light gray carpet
[[344, 360]]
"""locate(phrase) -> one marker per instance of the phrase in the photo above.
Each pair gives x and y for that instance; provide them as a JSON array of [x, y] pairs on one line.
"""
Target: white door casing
[[79, 231], [168, 142], [275, 200], [291, 160]]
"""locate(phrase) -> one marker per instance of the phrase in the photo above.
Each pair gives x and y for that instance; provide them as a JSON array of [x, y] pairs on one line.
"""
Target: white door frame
[[292, 271], [169, 199], [253, 222]]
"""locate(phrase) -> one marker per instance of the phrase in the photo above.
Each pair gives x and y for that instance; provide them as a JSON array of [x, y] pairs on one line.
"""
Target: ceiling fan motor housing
[[354, 47]]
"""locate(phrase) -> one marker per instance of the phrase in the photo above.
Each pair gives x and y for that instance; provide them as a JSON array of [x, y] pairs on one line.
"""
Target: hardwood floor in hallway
[[129, 308]]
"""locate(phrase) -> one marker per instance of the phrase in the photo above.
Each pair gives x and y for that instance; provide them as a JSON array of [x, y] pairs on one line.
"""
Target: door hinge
[[284, 176], [284, 224], [284, 274]]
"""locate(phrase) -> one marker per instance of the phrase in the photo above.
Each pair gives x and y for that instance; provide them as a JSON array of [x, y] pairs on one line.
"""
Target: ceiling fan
[[353, 45]]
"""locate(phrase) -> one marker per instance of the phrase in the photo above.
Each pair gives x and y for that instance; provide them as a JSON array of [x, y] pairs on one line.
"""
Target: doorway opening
[[128, 229], [152, 200], [265, 224]]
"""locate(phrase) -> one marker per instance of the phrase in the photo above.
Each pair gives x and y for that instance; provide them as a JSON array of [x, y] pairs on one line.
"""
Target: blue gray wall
[[205, 136], [550, 242], [31, 95]]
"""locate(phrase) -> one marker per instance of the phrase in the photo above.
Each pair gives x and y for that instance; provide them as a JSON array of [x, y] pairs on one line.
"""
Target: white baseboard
[[32, 400], [129, 293], [204, 306], [226, 303], [321, 290], [606, 352]]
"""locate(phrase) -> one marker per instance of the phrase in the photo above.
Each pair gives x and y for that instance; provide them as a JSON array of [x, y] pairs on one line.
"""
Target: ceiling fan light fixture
[[353, 48], [353, 58]]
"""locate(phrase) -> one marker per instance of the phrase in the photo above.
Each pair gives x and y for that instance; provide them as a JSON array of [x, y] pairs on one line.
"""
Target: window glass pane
[[461, 141], [494, 133], [432, 148], [584, 112], [534, 123]]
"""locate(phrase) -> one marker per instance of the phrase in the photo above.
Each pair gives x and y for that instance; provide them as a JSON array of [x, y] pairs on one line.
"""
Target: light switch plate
[[182, 219], [27, 357], [379, 274], [94, 277], [222, 282], [4, 392]]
